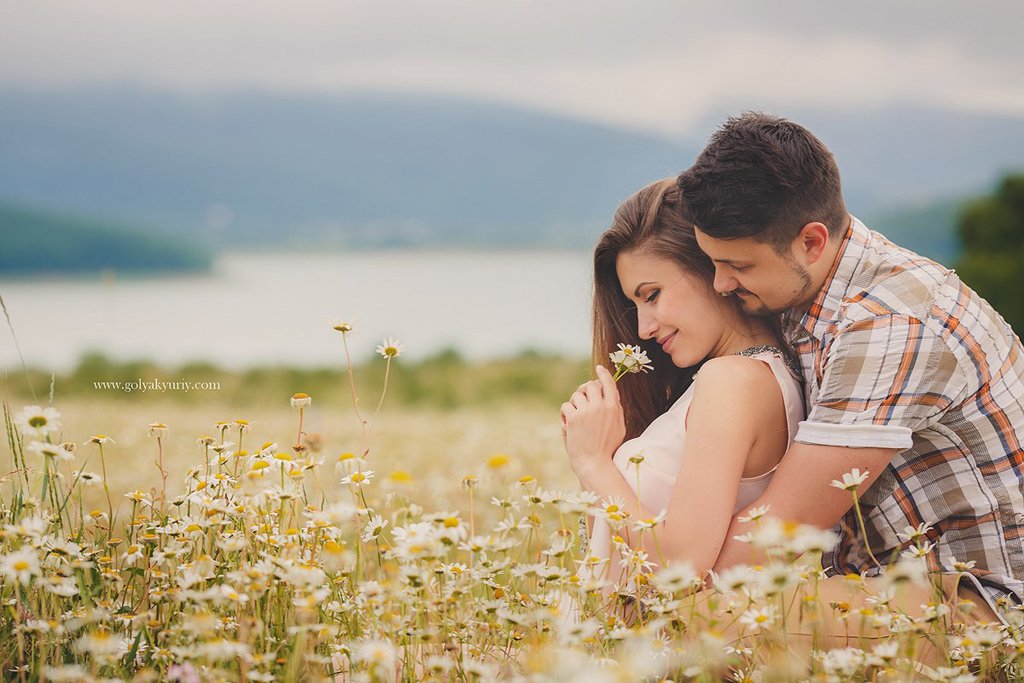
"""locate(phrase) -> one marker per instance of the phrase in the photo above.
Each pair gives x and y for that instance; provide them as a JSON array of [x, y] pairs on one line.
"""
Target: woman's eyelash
[[652, 296]]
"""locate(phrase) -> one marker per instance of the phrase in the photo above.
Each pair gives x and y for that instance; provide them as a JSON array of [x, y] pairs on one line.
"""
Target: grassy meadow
[[441, 418], [270, 527]]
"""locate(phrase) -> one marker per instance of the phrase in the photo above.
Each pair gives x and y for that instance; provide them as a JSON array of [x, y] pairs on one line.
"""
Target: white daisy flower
[[390, 348], [851, 480], [20, 566], [36, 422]]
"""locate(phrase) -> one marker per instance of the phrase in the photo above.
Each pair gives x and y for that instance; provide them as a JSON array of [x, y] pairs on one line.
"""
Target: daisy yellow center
[[37, 421], [21, 565], [450, 522], [358, 477]]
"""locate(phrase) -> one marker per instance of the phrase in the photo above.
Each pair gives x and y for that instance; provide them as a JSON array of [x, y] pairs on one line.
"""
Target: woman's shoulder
[[747, 385], [745, 371]]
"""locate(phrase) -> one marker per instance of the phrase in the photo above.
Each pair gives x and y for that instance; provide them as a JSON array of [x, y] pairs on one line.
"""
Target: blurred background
[[200, 189]]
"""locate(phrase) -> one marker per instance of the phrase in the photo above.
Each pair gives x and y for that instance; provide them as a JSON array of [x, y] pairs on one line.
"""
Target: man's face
[[764, 281]]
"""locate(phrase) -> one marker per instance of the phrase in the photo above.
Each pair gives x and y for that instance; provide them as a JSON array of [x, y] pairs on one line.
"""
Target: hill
[[33, 241], [366, 170], [244, 170]]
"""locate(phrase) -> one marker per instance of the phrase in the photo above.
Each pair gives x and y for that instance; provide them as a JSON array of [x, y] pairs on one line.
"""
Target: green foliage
[[444, 381], [991, 229], [34, 241]]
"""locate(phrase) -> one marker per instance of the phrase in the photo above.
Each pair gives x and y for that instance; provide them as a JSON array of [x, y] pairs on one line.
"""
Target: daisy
[[50, 450], [133, 554], [629, 359], [358, 478], [20, 566], [391, 348], [374, 528], [157, 429], [37, 422], [851, 480], [376, 653], [677, 576], [758, 618], [755, 513], [89, 477]]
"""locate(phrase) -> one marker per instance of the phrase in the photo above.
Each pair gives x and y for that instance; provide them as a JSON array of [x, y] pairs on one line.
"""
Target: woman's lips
[[665, 344]]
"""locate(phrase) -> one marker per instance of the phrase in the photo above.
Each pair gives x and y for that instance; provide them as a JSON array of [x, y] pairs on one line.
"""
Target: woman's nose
[[647, 326]]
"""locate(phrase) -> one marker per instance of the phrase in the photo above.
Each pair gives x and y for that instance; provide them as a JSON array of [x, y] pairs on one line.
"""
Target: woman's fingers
[[607, 383], [593, 390], [590, 392]]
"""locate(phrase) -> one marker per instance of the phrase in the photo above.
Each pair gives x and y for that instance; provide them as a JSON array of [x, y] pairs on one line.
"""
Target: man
[[910, 375]]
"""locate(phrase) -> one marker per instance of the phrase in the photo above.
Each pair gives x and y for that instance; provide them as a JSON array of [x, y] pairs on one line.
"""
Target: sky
[[660, 66]]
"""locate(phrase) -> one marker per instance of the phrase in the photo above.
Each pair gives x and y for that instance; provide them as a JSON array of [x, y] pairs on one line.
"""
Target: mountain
[[929, 228], [365, 169], [247, 169]]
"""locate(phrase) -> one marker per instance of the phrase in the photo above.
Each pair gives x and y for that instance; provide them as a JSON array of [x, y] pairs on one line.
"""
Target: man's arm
[[801, 491]]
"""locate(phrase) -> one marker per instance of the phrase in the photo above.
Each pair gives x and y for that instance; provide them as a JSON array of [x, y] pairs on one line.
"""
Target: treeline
[[33, 241], [442, 381], [991, 232]]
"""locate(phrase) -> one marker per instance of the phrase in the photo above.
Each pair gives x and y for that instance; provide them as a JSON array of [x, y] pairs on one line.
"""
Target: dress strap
[[776, 351]]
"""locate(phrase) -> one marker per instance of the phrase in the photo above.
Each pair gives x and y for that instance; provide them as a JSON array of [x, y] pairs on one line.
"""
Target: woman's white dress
[[662, 444]]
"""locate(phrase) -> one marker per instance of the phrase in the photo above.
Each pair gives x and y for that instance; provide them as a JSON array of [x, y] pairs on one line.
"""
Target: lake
[[267, 308]]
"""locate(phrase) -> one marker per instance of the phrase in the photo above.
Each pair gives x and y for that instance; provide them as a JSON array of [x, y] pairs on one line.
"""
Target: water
[[257, 309]]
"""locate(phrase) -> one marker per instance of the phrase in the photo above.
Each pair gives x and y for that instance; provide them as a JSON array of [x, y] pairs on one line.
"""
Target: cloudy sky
[[656, 65]]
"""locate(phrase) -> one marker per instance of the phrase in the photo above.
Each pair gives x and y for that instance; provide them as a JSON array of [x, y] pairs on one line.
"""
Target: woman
[[694, 447]]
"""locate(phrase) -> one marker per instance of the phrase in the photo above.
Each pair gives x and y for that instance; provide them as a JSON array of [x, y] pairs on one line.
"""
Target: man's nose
[[724, 283]]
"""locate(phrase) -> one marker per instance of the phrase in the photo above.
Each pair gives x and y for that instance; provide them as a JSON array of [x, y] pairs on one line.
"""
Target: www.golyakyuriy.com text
[[142, 385]]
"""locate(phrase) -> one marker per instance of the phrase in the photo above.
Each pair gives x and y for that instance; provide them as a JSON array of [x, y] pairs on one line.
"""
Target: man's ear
[[811, 242]]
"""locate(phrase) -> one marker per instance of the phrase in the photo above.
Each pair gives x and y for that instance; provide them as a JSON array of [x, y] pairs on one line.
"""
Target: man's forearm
[[801, 491]]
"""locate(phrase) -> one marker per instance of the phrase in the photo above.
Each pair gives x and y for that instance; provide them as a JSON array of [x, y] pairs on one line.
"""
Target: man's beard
[[756, 308]]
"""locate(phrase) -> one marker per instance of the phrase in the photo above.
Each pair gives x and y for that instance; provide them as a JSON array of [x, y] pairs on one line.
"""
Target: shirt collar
[[814, 320]]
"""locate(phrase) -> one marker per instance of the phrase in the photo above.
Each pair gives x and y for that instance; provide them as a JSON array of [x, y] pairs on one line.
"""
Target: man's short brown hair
[[764, 177]]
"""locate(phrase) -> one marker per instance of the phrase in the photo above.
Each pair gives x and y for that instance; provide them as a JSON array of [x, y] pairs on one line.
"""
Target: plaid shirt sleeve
[[881, 379]]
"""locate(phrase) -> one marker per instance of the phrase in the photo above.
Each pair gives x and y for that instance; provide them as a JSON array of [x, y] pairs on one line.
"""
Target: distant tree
[[991, 230]]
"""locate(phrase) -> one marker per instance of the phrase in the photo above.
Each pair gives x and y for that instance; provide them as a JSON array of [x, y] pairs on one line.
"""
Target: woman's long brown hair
[[650, 221]]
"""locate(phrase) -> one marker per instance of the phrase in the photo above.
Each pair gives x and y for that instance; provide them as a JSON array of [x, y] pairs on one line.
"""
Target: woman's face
[[674, 308]]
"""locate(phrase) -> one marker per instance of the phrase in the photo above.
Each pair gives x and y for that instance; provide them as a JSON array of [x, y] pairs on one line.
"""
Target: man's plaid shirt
[[898, 353]]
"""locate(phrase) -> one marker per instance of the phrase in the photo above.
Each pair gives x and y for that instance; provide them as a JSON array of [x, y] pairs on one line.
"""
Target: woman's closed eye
[[652, 297]]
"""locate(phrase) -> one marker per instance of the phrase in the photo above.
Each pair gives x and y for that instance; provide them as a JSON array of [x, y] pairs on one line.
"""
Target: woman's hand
[[593, 424]]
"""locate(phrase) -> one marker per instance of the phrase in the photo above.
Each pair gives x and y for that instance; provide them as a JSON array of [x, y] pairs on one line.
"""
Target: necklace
[[776, 351]]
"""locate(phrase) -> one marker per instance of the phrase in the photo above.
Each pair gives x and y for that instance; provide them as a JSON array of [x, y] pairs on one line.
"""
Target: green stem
[[863, 529]]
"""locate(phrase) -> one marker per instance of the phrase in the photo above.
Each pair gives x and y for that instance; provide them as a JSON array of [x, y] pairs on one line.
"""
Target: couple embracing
[[792, 345]]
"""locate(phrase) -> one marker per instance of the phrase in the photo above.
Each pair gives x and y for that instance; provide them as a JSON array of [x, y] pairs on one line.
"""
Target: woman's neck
[[751, 332]]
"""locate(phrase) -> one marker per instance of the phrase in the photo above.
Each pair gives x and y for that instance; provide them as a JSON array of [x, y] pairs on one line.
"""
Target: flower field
[[311, 543]]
